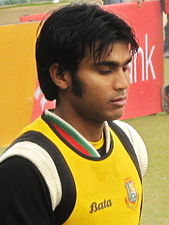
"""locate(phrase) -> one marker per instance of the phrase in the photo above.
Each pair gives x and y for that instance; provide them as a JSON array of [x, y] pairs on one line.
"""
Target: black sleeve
[[24, 195]]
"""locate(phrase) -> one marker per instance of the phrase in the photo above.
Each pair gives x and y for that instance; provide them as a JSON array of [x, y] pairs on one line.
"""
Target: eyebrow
[[113, 63]]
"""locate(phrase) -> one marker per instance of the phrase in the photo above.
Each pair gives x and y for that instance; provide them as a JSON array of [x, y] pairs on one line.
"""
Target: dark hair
[[68, 32]]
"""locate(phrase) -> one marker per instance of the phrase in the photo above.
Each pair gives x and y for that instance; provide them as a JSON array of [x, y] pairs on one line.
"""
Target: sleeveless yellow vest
[[108, 189]]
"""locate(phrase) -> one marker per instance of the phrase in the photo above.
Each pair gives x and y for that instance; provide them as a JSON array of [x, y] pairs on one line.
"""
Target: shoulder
[[129, 130], [137, 143], [21, 182], [40, 161]]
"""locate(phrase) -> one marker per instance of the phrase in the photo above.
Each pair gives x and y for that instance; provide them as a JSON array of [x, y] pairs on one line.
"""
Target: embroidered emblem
[[132, 195], [94, 207]]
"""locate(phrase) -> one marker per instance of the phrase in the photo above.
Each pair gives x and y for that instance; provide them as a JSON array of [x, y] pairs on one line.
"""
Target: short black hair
[[68, 32]]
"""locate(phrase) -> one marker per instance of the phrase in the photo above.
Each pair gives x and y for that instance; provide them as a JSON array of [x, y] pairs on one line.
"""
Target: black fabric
[[68, 200], [127, 145], [102, 150], [24, 196]]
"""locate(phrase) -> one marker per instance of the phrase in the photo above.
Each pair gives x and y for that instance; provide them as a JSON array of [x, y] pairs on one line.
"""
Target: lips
[[121, 101]]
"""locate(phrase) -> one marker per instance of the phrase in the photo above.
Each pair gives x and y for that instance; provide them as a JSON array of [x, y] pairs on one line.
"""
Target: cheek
[[95, 86], [96, 89], [97, 96], [128, 75], [128, 78], [99, 83]]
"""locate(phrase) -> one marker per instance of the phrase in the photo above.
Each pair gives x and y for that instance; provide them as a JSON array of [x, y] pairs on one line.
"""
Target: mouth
[[120, 102]]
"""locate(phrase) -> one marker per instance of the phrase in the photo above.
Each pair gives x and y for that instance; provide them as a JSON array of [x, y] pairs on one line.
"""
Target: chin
[[116, 116]]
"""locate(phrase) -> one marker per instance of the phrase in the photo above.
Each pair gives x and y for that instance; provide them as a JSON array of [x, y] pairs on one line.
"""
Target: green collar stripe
[[72, 132]]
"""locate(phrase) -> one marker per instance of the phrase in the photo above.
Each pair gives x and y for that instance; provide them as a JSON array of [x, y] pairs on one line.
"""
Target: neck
[[91, 130]]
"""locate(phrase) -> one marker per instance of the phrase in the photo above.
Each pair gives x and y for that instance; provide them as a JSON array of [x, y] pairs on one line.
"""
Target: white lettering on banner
[[43, 102], [37, 93], [39, 96], [144, 56]]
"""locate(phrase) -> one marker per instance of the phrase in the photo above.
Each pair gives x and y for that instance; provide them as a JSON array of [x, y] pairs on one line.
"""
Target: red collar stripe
[[70, 140]]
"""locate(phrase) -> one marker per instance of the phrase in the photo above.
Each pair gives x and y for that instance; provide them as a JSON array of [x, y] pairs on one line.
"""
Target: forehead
[[117, 52]]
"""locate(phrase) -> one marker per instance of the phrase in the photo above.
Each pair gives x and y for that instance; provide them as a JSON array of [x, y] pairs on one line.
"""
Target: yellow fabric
[[104, 187], [98, 144]]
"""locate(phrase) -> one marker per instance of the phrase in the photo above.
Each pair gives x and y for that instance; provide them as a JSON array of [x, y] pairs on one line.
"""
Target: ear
[[62, 79]]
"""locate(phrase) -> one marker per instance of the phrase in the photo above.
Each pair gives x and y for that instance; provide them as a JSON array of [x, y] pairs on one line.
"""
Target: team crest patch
[[132, 195]]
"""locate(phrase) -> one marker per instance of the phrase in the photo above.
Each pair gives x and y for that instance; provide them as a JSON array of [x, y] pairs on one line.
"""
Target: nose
[[122, 80]]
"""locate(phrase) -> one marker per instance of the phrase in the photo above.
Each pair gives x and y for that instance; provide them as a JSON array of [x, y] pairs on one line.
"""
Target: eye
[[104, 72]]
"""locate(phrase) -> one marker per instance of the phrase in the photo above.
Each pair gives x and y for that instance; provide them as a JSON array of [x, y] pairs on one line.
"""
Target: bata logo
[[99, 206]]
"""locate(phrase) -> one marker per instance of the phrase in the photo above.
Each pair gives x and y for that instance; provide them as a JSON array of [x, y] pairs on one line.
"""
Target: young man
[[73, 165]]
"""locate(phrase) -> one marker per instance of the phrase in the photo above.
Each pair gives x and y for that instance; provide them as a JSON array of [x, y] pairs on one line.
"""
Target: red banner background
[[144, 96]]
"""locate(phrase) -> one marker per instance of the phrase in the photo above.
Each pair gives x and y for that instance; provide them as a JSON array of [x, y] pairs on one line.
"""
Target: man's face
[[104, 85]]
